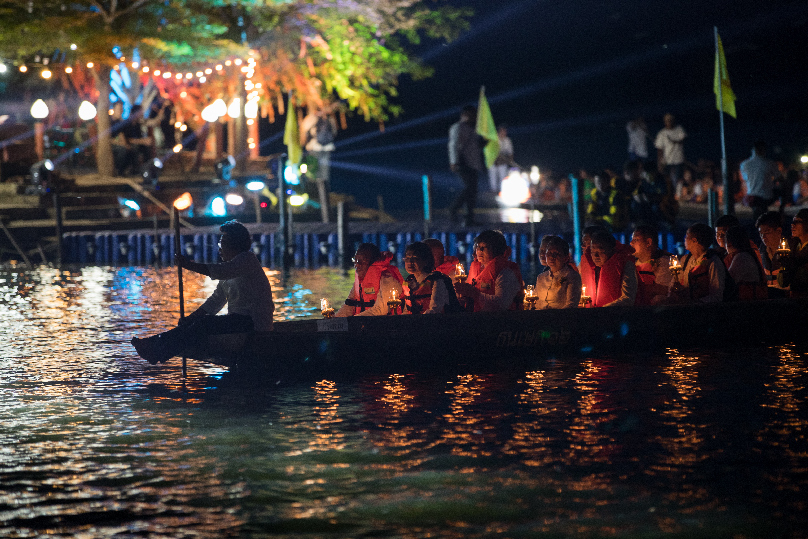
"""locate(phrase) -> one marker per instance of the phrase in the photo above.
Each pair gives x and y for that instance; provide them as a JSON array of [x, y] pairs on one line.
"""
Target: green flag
[[291, 136], [487, 129]]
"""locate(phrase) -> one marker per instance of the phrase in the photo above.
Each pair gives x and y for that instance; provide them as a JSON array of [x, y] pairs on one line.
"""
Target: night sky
[[567, 76]]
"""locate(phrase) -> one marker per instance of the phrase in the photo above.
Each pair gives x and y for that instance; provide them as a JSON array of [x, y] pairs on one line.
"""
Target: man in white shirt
[[243, 287], [671, 151], [504, 161]]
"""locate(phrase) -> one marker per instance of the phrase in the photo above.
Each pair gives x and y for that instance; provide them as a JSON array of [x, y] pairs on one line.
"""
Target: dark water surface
[[95, 442]]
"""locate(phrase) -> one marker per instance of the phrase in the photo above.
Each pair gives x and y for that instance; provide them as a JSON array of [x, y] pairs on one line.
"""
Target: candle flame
[[393, 293], [324, 304], [460, 269], [583, 290]]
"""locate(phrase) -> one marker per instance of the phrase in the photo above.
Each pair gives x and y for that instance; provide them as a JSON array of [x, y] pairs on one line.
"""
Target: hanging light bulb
[[234, 110], [87, 111], [39, 110], [220, 107]]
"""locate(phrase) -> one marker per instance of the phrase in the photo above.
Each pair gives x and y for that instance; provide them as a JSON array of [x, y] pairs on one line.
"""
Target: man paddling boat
[[243, 287]]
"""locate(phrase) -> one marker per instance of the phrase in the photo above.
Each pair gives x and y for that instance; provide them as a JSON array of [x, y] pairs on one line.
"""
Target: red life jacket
[[449, 265], [587, 270], [609, 284], [363, 295], [748, 290], [484, 280], [647, 286]]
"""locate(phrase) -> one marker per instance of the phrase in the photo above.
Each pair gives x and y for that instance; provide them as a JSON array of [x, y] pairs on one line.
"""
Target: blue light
[[218, 207], [290, 175], [255, 185], [131, 204]]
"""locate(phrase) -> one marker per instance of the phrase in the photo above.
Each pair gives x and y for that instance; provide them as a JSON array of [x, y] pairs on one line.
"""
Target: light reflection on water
[[94, 441]]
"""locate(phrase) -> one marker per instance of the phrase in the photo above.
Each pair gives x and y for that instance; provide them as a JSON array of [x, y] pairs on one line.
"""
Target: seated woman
[[443, 263], [796, 274], [494, 283], [560, 286], [374, 283], [427, 291], [703, 277], [243, 286], [743, 265], [612, 278]]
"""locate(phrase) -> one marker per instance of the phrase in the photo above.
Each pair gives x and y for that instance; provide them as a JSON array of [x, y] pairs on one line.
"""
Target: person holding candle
[[443, 263], [494, 282], [743, 265], [653, 267], [427, 291], [560, 286], [243, 286], [796, 273], [703, 278], [770, 227], [612, 281], [375, 280]]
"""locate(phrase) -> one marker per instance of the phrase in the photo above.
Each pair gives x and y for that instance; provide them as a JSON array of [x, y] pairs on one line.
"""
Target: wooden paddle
[[177, 250]]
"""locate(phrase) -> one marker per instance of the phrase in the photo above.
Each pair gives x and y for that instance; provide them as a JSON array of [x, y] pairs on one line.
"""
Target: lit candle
[[583, 291], [393, 294], [784, 244], [326, 309]]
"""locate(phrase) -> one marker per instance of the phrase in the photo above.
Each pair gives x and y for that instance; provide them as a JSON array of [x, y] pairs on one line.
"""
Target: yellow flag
[[487, 129], [291, 136], [721, 82]]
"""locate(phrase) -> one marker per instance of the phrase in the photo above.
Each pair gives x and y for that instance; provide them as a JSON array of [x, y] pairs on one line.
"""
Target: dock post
[[427, 204], [576, 216], [57, 207], [342, 235], [712, 208], [283, 243]]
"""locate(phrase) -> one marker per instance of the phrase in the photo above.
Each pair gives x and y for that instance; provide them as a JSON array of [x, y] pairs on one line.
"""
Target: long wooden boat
[[350, 347]]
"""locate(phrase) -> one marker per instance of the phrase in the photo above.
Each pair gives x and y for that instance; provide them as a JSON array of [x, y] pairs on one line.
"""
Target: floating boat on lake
[[479, 342]]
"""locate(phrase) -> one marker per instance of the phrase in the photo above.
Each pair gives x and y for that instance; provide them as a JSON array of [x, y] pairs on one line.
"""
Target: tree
[[352, 51]]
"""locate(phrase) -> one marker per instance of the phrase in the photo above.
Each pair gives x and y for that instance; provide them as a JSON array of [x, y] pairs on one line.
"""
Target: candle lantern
[[326, 308], [675, 267], [784, 249], [460, 273], [585, 300], [530, 298], [394, 303]]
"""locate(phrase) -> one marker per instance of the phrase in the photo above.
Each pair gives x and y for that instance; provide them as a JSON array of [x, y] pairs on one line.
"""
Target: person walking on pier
[[466, 160]]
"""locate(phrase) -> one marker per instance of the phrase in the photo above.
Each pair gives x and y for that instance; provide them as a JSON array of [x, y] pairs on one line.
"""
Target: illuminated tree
[[351, 51]]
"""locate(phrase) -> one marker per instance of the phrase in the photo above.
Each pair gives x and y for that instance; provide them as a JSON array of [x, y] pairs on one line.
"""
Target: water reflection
[[95, 442]]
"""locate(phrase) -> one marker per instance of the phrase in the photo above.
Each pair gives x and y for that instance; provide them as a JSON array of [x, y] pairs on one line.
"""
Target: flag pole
[[729, 207]]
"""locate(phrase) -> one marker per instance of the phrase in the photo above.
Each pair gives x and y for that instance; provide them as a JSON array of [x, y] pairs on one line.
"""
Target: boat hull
[[349, 347]]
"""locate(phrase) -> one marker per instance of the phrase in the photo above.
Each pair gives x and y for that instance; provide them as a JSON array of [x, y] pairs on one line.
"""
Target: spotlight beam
[[395, 147]]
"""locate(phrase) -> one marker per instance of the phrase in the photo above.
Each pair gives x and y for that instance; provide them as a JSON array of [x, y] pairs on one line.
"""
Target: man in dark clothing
[[466, 160]]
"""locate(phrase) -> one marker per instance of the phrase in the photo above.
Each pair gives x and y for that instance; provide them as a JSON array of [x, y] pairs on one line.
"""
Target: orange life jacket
[[647, 286], [748, 290], [417, 296], [363, 295], [587, 270], [608, 286], [449, 265], [484, 279]]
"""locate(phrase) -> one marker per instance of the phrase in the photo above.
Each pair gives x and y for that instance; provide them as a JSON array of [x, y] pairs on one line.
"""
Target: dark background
[[567, 76]]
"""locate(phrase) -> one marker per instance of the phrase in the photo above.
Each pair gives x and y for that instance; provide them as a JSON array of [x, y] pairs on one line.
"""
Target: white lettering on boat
[[332, 324], [535, 337]]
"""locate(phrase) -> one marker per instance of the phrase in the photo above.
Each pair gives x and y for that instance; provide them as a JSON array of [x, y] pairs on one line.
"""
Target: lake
[[95, 442]]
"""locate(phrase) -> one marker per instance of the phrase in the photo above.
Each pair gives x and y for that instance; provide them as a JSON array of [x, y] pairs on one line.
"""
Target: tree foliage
[[321, 51]]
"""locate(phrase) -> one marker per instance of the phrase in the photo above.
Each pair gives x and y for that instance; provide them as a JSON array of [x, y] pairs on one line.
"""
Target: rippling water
[[95, 442]]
